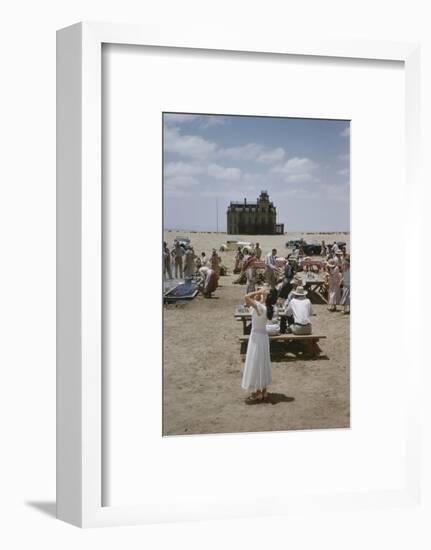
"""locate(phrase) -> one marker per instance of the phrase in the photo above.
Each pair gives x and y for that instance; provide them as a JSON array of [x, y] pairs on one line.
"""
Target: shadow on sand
[[273, 399]]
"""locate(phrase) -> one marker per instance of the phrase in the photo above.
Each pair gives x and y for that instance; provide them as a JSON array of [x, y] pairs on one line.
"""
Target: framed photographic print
[[241, 293], [220, 223]]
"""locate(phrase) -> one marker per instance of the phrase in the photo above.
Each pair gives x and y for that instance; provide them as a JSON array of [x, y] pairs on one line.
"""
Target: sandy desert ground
[[203, 367]]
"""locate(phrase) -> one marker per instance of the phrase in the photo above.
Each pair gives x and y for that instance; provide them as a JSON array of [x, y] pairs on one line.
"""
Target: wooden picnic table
[[309, 342], [316, 289], [243, 313]]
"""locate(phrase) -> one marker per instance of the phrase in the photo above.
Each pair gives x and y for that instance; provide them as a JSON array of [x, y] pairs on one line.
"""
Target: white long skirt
[[257, 370]]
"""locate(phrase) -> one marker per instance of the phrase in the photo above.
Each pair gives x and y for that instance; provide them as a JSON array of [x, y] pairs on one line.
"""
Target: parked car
[[295, 243], [310, 249], [184, 241], [233, 245]]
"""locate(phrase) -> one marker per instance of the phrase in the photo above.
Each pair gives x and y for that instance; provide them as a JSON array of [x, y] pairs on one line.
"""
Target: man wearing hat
[[299, 311]]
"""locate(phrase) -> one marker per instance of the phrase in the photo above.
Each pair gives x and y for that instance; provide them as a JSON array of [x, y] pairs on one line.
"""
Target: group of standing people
[[243, 255], [338, 275], [337, 272], [185, 262]]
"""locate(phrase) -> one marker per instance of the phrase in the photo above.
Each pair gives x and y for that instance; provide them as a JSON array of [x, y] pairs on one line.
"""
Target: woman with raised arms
[[257, 371]]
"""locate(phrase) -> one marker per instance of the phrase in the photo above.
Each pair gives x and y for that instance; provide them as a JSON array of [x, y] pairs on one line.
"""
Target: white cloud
[[253, 152], [346, 132], [297, 170], [187, 145], [298, 165], [250, 151], [221, 173], [271, 155]]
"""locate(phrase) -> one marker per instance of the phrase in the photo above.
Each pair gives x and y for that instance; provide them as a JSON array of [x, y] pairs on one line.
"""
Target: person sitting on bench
[[299, 312]]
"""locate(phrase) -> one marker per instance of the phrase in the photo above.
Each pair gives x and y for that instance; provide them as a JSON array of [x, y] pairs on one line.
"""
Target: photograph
[[256, 259]]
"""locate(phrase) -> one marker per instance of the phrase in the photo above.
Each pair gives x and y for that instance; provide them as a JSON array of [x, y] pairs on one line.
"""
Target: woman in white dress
[[257, 371]]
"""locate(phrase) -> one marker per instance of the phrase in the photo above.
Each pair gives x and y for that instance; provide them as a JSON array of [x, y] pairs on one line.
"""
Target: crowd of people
[[281, 272], [187, 265], [284, 288]]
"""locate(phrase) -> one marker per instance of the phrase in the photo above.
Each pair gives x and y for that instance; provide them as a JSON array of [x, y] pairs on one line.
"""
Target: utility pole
[[217, 214]]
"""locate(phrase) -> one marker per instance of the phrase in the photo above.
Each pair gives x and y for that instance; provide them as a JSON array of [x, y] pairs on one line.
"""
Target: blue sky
[[214, 159]]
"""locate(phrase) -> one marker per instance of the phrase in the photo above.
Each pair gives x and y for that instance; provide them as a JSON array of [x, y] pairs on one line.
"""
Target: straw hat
[[332, 263], [299, 291]]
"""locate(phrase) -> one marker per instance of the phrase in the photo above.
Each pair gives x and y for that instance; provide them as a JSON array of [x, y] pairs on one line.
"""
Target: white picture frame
[[79, 260]]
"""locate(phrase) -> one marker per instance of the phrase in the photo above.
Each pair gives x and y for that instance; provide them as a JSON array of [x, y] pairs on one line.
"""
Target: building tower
[[259, 218]]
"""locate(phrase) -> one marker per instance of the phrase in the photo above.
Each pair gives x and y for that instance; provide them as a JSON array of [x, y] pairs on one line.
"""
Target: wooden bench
[[309, 341]]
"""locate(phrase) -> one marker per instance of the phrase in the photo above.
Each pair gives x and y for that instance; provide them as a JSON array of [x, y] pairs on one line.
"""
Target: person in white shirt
[[208, 282], [335, 248], [271, 270], [204, 260], [299, 311]]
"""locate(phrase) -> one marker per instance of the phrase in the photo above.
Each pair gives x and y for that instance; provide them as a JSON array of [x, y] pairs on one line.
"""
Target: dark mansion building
[[253, 218]]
